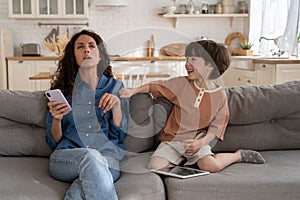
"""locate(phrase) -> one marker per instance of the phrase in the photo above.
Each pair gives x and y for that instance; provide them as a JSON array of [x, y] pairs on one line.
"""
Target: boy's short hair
[[213, 53]]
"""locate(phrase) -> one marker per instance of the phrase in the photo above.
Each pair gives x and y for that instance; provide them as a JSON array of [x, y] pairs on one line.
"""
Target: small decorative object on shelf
[[243, 7], [57, 44], [169, 9], [211, 9], [204, 8], [182, 9], [197, 10], [219, 9], [190, 7]]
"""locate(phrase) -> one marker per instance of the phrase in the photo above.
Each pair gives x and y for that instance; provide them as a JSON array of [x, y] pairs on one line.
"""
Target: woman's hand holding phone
[[58, 110], [58, 105]]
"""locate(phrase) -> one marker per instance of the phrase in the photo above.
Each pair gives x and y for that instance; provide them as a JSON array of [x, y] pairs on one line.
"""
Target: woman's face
[[196, 68], [86, 51]]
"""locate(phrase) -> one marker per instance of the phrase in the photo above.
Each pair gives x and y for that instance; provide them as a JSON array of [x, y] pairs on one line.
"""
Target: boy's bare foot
[[250, 156]]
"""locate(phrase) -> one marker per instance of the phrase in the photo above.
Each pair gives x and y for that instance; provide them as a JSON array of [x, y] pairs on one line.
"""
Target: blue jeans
[[88, 171]]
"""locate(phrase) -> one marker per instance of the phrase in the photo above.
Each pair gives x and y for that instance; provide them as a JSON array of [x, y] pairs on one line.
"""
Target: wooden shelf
[[231, 16], [42, 76]]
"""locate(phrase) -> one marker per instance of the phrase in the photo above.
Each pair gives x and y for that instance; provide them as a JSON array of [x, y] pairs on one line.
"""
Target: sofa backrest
[[22, 123], [263, 117]]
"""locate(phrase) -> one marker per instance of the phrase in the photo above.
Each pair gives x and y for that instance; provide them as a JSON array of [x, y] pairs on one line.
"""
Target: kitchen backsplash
[[109, 22]]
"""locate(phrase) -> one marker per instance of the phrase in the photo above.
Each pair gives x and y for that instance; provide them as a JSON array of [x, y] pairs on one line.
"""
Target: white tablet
[[180, 172]]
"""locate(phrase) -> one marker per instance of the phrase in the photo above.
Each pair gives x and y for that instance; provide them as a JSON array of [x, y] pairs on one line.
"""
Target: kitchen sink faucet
[[270, 47]]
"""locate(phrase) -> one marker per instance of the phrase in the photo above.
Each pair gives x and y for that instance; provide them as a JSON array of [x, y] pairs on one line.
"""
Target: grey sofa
[[265, 118]]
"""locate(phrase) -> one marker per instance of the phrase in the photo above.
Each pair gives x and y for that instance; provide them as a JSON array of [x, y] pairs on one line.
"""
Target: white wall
[[109, 22]]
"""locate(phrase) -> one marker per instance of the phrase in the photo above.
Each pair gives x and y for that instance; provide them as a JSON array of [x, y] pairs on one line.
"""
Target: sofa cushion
[[256, 104], [161, 111], [137, 186], [137, 182], [24, 106], [277, 179], [263, 117], [22, 139], [140, 126], [28, 178]]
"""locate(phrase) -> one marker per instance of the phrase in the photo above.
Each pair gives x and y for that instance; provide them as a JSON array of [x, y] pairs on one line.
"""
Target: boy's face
[[197, 68]]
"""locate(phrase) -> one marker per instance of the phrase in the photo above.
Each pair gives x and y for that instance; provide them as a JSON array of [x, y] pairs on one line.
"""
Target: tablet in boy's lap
[[180, 172]]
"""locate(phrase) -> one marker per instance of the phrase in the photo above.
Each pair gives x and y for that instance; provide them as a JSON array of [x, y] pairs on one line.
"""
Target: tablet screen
[[181, 172]]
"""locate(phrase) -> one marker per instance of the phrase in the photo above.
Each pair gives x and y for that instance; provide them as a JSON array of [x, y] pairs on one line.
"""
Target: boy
[[200, 113]]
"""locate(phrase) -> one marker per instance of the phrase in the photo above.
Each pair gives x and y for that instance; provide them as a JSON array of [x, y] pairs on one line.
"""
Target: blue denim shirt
[[86, 125]]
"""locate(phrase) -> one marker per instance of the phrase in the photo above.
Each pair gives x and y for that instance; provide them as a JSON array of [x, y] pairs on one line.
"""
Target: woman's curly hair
[[68, 68]]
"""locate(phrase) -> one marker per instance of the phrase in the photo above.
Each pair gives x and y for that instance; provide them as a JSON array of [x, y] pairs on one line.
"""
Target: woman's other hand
[[58, 111], [108, 101]]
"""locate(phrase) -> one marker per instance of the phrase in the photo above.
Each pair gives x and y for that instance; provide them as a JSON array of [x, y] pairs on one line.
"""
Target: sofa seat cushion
[[277, 179], [19, 139], [28, 178], [137, 182], [137, 186]]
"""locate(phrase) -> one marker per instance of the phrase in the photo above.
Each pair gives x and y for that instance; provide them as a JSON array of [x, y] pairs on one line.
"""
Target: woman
[[87, 142]]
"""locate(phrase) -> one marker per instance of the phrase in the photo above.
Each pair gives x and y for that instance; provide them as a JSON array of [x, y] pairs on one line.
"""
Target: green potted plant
[[246, 48]]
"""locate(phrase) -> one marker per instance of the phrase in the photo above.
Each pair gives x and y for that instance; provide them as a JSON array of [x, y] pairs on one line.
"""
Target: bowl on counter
[[169, 9]]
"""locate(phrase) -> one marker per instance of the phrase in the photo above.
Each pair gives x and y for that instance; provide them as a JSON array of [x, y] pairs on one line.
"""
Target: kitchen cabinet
[[240, 72], [59, 9], [244, 77], [249, 71], [285, 72], [265, 74], [21, 8], [19, 72]]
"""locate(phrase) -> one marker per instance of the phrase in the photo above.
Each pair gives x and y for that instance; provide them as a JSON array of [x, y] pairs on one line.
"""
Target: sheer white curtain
[[289, 39], [268, 18]]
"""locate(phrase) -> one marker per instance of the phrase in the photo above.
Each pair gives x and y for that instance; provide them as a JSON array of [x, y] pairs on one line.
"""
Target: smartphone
[[57, 95]]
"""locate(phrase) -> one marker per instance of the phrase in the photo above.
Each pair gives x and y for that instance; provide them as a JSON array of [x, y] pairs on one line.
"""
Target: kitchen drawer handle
[[263, 66], [249, 81], [20, 61]]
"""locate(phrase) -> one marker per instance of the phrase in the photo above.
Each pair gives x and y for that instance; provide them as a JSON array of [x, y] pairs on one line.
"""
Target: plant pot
[[243, 52]]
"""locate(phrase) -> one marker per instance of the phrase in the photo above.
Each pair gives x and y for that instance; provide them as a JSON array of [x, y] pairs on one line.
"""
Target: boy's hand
[[125, 93], [192, 146]]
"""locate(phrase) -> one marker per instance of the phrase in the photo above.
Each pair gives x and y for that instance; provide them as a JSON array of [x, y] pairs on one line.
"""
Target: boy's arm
[[127, 93]]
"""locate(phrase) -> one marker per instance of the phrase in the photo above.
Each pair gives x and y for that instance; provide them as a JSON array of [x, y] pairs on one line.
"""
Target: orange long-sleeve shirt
[[195, 109]]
